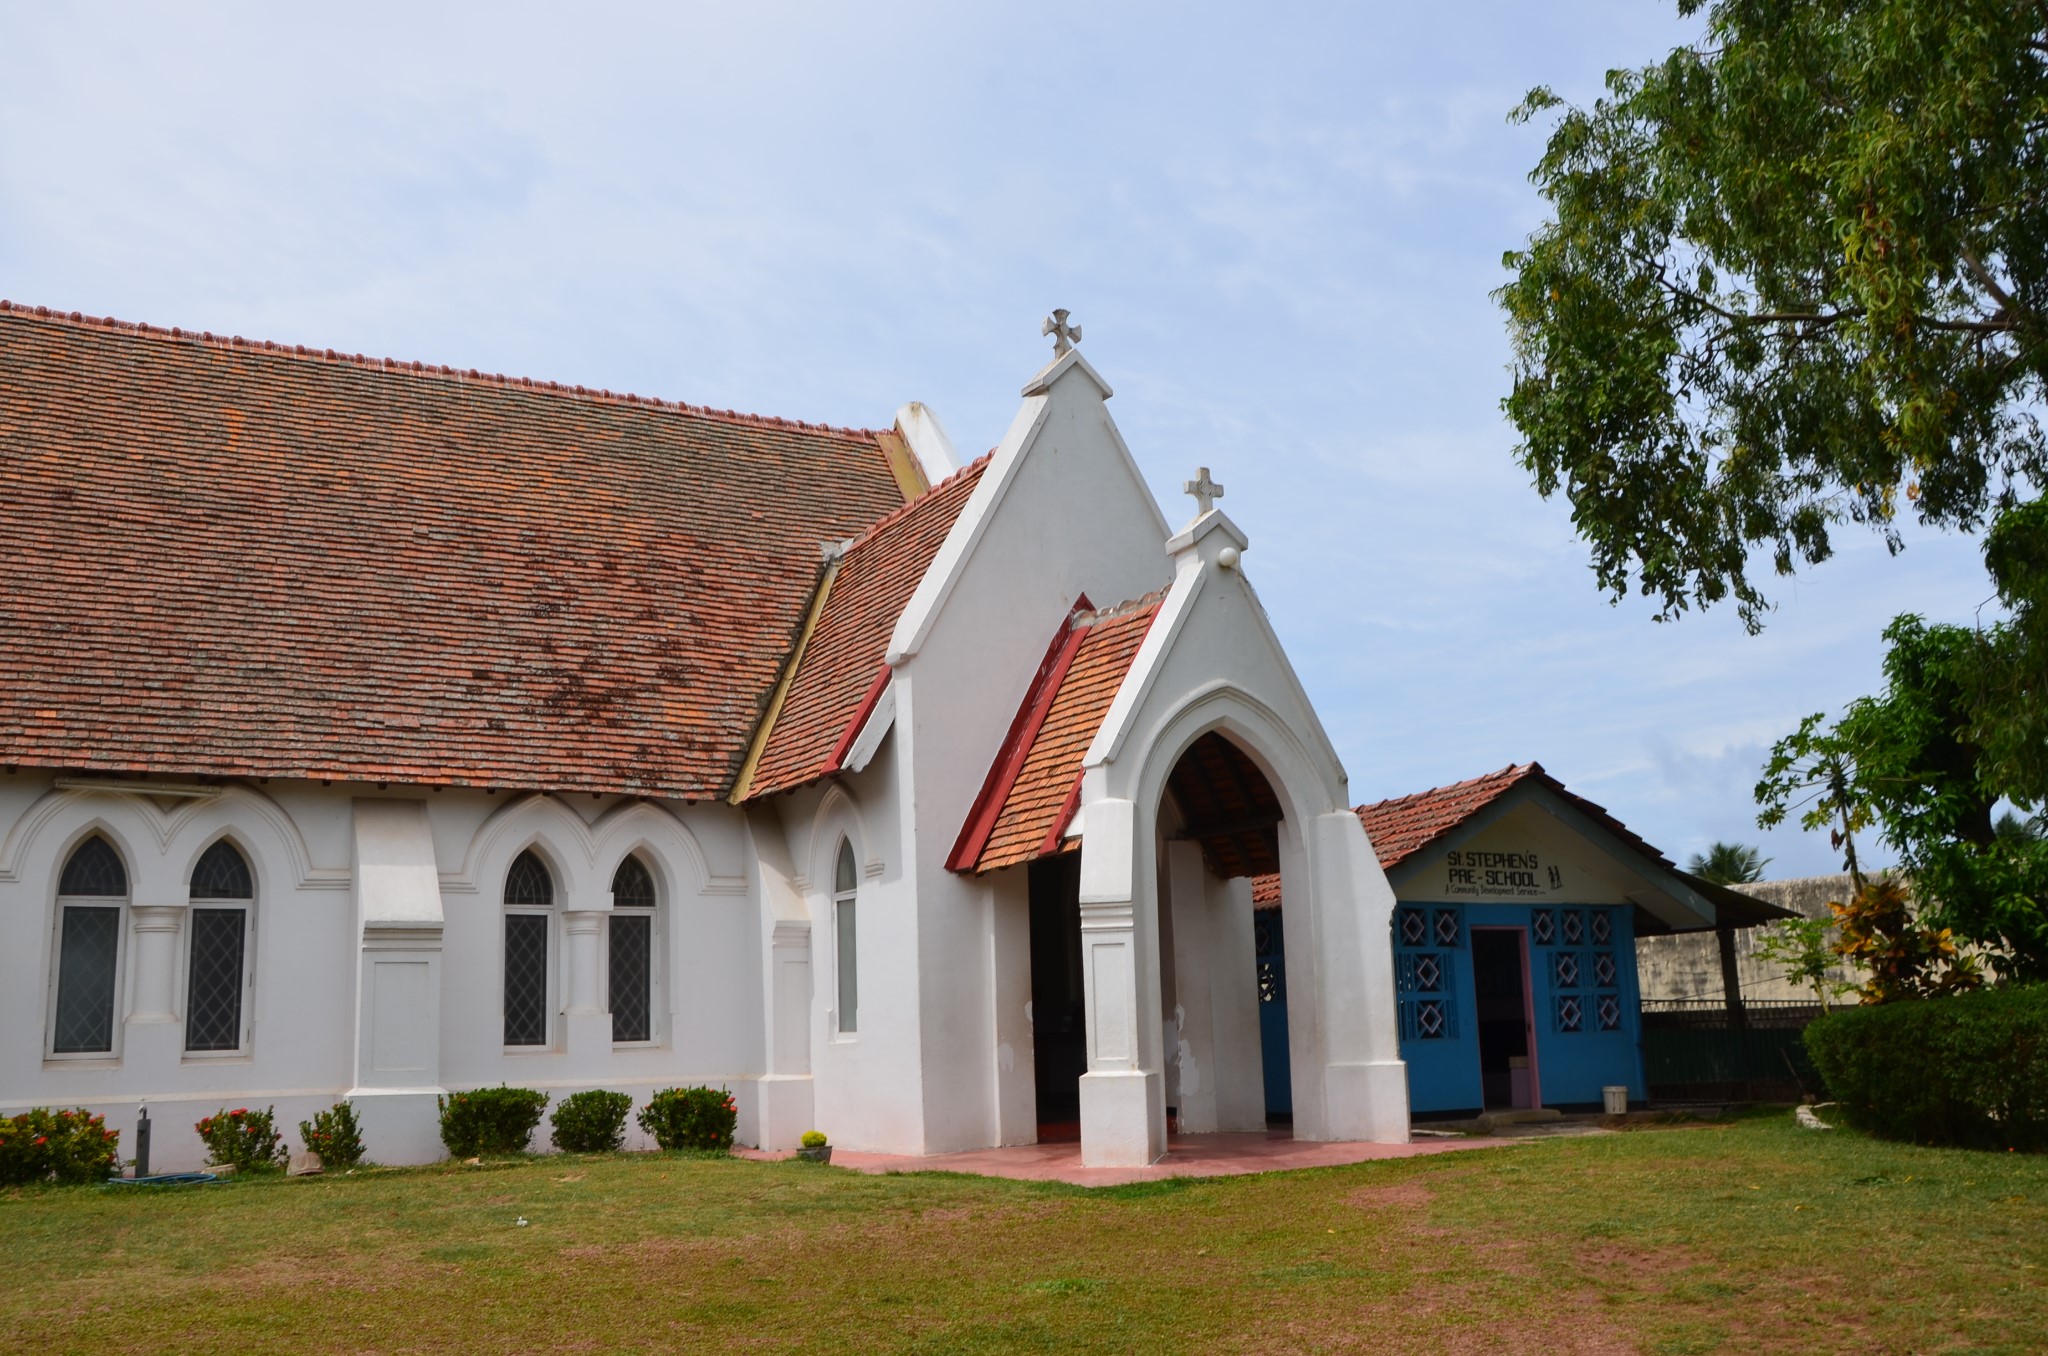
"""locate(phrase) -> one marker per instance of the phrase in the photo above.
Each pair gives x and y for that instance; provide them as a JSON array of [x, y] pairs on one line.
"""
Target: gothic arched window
[[529, 906], [632, 952], [91, 892], [845, 899], [216, 971]]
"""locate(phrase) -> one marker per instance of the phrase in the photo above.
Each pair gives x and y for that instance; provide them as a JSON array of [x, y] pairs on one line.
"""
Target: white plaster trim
[[557, 828], [925, 436], [166, 826], [922, 612], [1174, 612], [170, 790], [837, 803], [1049, 375], [872, 731]]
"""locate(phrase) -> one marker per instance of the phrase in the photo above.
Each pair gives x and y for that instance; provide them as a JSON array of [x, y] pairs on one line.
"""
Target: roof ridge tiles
[[897, 515], [1126, 608], [414, 367]]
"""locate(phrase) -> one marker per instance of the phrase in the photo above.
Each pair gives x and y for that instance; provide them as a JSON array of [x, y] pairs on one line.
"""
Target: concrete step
[[1494, 1120]]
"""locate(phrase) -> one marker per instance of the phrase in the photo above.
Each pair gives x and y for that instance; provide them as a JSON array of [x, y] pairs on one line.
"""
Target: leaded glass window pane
[[94, 870], [632, 885], [632, 977], [213, 997], [528, 882], [526, 979], [222, 873], [849, 972], [90, 945]]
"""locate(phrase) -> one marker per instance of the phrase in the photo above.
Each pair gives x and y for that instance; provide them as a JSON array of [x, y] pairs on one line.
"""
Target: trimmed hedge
[[691, 1118], [496, 1120], [591, 1122], [1968, 1070]]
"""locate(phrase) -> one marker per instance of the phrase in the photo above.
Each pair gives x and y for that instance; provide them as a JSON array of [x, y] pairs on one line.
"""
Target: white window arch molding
[[636, 946], [89, 952], [840, 869], [533, 888], [224, 883]]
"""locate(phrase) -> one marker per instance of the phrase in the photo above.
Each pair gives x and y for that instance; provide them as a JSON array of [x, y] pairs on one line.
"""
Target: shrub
[[591, 1122], [244, 1140], [496, 1120], [1968, 1070], [42, 1145], [814, 1139], [335, 1136], [691, 1118]]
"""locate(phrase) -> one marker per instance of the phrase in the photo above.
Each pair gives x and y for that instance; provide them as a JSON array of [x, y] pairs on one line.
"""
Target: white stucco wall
[[305, 947]]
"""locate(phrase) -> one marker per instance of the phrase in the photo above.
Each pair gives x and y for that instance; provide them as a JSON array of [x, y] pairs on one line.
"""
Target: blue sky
[[1278, 225]]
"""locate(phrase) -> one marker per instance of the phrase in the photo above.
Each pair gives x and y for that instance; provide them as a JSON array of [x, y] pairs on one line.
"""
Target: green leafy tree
[[1796, 277], [1905, 764], [1728, 864], [1798, 272]]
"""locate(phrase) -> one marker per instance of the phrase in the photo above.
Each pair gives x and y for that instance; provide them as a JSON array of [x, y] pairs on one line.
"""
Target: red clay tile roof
[[1033, 788], [1402, 827], [839, 674], [241, 559]]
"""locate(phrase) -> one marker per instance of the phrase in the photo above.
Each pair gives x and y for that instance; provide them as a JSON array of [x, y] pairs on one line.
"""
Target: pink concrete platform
[[1186, 1156]]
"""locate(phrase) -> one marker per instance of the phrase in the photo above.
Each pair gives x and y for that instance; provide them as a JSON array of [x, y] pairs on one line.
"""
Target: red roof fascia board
[[860, 718], [1055, 835], [1042, 796], [1024, 727], [842, 671]]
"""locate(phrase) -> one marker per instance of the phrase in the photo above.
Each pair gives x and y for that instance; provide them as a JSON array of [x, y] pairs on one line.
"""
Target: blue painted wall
[[1582, 973]]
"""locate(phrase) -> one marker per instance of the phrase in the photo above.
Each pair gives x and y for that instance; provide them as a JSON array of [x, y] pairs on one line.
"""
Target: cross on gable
[[1063, 335], [1205, 490]]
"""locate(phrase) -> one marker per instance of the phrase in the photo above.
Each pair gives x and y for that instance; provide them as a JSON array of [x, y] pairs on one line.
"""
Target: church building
[[371, 729]]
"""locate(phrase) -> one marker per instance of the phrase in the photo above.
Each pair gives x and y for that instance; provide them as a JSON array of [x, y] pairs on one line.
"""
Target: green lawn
[[1746, 1236]]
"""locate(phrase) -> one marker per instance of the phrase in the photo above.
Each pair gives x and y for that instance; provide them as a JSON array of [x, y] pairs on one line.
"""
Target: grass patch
[[1751, 1235]]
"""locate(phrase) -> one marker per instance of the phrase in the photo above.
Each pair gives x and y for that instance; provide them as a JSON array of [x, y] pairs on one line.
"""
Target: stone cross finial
[[1205, 490], [1064, 336]]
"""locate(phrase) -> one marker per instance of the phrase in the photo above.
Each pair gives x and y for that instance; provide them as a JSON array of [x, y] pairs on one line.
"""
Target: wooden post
[[1731, 979]]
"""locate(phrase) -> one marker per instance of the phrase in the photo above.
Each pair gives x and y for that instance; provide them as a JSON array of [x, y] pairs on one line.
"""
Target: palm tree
[[1729, 864]]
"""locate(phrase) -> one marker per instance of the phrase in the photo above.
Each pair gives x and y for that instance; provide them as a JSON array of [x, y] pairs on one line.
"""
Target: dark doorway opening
[[1270, 944], [1500, 977], [1059, 1014]]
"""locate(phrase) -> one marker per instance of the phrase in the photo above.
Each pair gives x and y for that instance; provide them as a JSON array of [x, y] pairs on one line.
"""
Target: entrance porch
[[1217, 1155]]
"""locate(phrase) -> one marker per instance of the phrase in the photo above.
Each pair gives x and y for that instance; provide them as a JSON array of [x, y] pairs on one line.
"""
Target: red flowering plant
[[335, 1136], [691, 1118], [56, 1146], [244, 1140]]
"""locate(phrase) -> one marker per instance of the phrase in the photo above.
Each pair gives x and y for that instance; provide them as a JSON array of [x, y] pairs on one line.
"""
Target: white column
[[787, 1100], [1364, 1093], [1123, 1111], [397, 1075], [152, 1035], [154, 958], [582, 939], [1190, 1041], [584, 1012], [1239, 1061]]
